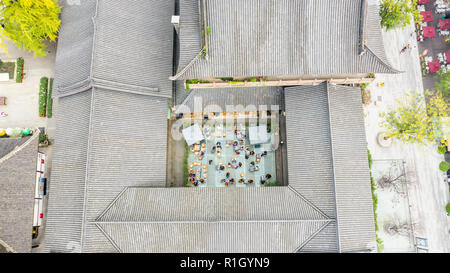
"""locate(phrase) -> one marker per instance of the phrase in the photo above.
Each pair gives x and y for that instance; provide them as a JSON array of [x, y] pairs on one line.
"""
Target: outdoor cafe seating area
[[435, 25], [240, 156]]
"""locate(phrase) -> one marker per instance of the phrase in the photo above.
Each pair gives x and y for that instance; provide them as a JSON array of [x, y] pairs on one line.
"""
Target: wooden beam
[[279, 83]]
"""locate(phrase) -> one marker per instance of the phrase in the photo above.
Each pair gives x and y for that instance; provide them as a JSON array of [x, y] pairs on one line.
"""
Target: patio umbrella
[[2, 132], [444, 23], [427, 16], [434, 66], [429, 32]]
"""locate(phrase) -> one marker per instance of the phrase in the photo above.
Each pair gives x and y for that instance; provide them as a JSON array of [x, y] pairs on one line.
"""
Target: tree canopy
[[415, 121], [28, 23], [398, 13]]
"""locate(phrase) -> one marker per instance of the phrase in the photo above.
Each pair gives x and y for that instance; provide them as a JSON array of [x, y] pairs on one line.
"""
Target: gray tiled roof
[[327, 158], [351, 170], [122, 45], [217, 100], [17, 186], [211, 220], [279, 38], [107, 187], [236, 237], [105, 141]]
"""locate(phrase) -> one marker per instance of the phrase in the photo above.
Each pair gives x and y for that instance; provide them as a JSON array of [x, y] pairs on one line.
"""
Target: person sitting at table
[[210, 162], [262, 180], [241, 180], [240, 164], [232, 181], [213, 149], [258, 157], [202, 181], [251, 181], [268, 176], [229, 165], [264, 153], [228, 175], [252, 152]]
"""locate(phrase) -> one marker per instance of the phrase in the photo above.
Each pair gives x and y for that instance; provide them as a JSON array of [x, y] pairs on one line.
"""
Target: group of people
[[231, 181], [239, 147], [194, 180]]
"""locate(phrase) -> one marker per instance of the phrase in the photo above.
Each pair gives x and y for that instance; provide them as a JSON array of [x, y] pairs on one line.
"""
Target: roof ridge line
[[109, 238], [118, 89], [112, 203], [333, 168], [78, 86], [86, 177], [7, 247], [386, 65], [182, 71], [19, 148], [94, 38], [310, 203], [212, 222], [312, 236]]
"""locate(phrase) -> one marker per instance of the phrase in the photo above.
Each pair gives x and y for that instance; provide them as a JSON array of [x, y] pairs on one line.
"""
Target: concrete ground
[[22, 99], [393, 207], [23, 104], [428, 193]]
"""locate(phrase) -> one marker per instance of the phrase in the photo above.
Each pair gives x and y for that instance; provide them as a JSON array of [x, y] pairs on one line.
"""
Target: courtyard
[[237, 155]]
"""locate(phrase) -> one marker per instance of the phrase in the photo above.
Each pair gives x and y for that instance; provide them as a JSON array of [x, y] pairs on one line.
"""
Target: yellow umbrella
[[2, 133]]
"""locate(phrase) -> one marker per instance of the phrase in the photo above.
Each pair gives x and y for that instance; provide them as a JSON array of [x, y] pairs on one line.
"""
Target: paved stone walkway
[[23, 99], [428, 193]]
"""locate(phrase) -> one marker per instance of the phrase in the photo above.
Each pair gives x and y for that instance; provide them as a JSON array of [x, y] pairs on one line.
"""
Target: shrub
[[42, 138], [380, 245], [373, 188], [442, 149], [19, 70], [226, 79], [186, 165], [366, 96], [50, 99], [447, 208], [444, 166], [370, 159], [43, 96]]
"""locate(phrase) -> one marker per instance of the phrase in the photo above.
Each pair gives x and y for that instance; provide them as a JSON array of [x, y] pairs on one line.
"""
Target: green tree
[[28, 23], [414, 121], [398, 13]]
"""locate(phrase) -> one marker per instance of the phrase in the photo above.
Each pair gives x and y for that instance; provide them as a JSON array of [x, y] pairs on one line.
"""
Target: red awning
[[444, 23], [421, 2], [434, 66], [429, 32], [427, 16], [447, 57]]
